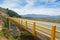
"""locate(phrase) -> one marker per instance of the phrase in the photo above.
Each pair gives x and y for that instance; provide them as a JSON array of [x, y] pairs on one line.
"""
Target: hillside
[[11, 13]]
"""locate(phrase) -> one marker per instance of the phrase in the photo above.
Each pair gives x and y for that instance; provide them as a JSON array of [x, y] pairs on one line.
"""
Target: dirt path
[[0, 28], [3, 38], [1, 23]]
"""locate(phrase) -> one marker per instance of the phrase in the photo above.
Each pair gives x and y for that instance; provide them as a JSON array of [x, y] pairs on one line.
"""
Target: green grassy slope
[[9, 12]]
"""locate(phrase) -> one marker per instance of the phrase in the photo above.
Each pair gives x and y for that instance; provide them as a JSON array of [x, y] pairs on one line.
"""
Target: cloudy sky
[[22, 7]]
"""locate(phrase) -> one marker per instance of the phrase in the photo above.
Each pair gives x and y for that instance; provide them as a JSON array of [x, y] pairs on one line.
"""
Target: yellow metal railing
[[50, 31]]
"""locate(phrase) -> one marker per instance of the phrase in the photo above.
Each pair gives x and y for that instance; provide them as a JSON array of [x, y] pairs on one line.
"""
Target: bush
[[5, 33]]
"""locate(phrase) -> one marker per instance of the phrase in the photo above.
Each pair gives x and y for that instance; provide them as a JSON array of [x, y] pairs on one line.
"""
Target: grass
[[5, 34], [25, 35], [1, 33], [12, 38]]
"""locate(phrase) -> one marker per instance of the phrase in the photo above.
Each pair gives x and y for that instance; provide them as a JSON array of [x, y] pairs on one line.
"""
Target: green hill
[[11, 13]]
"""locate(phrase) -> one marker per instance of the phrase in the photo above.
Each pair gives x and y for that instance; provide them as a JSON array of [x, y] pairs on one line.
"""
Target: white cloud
[[45, 11], [11, 4]]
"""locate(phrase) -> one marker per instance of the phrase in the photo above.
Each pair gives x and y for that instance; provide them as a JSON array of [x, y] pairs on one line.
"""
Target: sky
[[23, 7]]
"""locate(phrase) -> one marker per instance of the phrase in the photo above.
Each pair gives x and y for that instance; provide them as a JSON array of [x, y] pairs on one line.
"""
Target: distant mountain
[[41, 16]]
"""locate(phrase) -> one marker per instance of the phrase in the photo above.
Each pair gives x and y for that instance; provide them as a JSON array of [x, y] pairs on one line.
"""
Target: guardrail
[[52, 32]]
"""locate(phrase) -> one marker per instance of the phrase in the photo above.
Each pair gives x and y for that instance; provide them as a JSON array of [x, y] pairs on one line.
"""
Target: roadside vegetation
[[4, 34], [5, 30]]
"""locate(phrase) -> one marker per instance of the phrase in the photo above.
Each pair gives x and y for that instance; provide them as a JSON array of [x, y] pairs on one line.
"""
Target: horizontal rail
[[35, 27]]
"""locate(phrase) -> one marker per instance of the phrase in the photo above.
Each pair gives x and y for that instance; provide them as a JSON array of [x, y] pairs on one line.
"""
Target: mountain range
[[41, 16]]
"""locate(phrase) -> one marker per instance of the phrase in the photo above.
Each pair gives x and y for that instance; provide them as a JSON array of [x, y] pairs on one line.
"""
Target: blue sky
[[23, 7], [1, 1]]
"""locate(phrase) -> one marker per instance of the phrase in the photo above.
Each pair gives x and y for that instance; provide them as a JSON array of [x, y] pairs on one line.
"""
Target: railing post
[[26, 25], [53, 32], [34, 29], [21, 22]]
